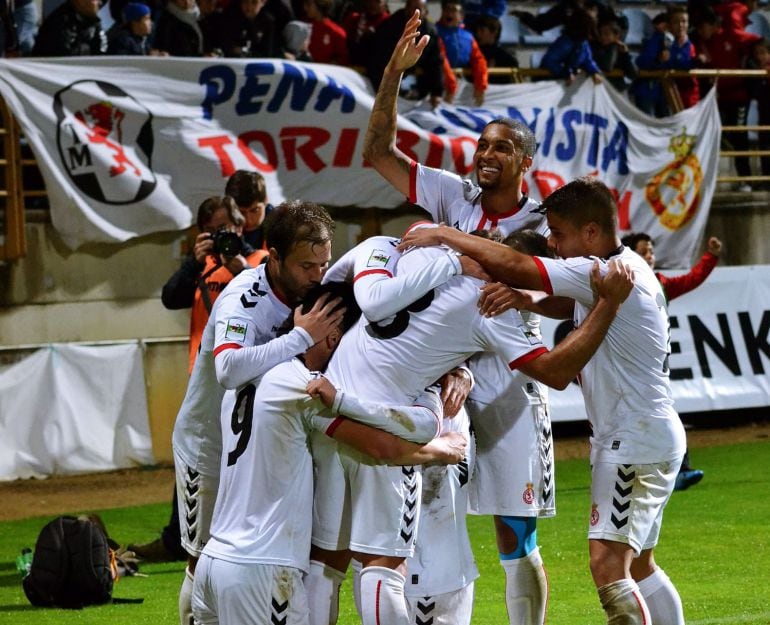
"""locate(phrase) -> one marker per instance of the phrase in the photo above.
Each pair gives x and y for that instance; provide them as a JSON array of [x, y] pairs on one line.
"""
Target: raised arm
[[380, 142], [503, 264], [560, 366]]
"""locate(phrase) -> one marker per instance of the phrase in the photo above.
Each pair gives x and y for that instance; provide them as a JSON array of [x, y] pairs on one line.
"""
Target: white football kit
[[241, 331], [456, 202], [635, 430], [390, 362]]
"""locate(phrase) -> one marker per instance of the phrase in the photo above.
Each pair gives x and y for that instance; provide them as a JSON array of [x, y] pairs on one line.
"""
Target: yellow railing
[[20, 179]]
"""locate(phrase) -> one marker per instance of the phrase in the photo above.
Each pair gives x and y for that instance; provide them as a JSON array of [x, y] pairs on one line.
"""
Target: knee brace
[[525, 529]]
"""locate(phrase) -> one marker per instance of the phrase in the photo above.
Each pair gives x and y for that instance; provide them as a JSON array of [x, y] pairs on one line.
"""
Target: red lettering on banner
[[547, 182], [435, 151], [624, 208], [218, 144], [346, 146], [244, 145], [406, 140], [458, 154], [316, 137]]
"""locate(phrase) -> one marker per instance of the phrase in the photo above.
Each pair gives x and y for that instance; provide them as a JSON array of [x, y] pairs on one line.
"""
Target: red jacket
[[328, 43], [679, 285]]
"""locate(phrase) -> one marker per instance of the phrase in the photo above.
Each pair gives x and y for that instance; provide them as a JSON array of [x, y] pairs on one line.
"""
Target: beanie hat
[[295, 34], [134, 11]]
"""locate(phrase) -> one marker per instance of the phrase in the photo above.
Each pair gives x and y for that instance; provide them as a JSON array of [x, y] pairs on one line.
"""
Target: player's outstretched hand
[[473, 268], [616, 284], [449, 447], [409, 48], [320, 388], [421, 237], [497, 297], [714, 246], [320, 319], [455, 388]]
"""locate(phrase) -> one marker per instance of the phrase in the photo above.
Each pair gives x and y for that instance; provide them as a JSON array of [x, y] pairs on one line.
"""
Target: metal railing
[[23, 195]]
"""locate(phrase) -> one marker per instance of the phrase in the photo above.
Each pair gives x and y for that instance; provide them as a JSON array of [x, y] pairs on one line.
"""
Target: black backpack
[[72, 565]]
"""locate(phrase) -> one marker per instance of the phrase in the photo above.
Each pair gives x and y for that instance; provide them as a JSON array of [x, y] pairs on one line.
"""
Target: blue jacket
[[565, 56], [680, 58], [458, 43]]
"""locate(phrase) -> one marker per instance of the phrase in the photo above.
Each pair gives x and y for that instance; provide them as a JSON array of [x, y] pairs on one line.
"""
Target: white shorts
[[196, 493], [372, 509], [229, 593], [450, 608], [628, 501], [514, 474]]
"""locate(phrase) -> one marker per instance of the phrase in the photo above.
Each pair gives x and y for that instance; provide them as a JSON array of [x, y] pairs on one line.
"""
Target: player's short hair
[[529, 242], [342, 290], [246, 187], [582, 201], [211, 205], [523, 136], [495, 234], [633, 239], [294, 222]]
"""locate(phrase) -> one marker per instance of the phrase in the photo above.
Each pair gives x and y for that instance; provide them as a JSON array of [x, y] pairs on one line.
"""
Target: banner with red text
[[720, 346], [131, 146]]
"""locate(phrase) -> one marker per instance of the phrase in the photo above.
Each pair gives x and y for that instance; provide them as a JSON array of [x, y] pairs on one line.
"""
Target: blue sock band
[[525, 529]]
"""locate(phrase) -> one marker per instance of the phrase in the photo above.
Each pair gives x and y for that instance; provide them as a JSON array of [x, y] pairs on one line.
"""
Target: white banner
[[73, 409], [130, 146], [720, 346]]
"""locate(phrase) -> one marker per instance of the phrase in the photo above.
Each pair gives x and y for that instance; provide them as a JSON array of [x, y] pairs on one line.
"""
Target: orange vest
[[215, 277]]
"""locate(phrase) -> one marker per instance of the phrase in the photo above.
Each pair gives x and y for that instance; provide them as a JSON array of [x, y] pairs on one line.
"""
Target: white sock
[[623, 603], [526, 589], [356, 566], [322, 585], [662, 599], [185, 599], [382, 597]]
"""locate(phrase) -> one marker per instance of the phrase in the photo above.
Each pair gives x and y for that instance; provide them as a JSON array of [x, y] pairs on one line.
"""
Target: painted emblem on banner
[[529, 494], [105, 141], [674, 192]]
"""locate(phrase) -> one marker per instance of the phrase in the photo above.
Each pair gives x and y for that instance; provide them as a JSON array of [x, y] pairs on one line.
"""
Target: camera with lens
[[227, 243]]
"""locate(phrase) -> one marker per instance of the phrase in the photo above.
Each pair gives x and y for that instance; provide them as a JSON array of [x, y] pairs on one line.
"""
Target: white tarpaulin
[[73, 409], [130, 146], [720, 346]]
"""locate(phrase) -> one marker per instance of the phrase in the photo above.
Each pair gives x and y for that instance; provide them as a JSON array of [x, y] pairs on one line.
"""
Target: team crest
[[529, 335], [674, 192], [378, 258], [594, 515], [235, 331], [105, 142], [528, 496]]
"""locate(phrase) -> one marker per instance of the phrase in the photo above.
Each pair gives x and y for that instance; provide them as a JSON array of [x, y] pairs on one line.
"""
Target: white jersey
[[626, 383], [240, 331], [443, 560], [371, 267], [456, 202], [375, 360], [263, 512]]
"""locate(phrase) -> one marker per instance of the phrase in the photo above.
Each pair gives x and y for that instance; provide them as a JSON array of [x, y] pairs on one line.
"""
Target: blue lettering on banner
[[264, 83]]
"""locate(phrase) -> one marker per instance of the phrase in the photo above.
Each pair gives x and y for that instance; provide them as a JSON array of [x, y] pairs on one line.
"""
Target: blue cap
[[134, 11]]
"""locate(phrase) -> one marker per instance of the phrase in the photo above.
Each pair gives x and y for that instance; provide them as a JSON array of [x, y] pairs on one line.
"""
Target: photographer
[[219, 254]]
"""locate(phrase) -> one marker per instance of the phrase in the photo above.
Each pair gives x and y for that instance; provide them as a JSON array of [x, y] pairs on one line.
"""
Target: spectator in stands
[[705, 26], [432, 71], [72, 29], [729, 49], [328, 40], [9, 42], [487, 30], [760, 91], [25, 15], [131, 36], [474, 9], [461, 49], [610, 53], [641, 243], [247, 30], [296, 41], [561, 13], [249, 191], [360, 27], [671, 49], [571, 52], [177, 32]]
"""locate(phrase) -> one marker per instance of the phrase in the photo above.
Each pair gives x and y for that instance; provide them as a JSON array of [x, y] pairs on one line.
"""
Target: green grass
[[715, 546]]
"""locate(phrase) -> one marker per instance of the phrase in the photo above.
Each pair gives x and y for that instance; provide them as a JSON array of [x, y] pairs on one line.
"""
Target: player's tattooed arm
[[380, 142]]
